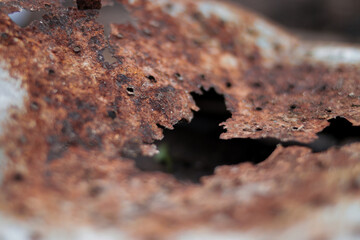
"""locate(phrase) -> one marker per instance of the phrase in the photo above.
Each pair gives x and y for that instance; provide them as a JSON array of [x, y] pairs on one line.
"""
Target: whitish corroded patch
[[340, 221], [334, 54], [11, 93], [12, 229]]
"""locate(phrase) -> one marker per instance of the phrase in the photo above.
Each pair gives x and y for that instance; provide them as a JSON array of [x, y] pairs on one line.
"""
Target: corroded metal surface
[[69, 149]]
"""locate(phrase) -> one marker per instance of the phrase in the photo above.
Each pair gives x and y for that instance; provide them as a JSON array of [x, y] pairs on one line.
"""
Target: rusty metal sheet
[[79, 119]]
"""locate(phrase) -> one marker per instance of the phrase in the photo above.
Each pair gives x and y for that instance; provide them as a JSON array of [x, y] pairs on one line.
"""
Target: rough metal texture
[[69, 150]]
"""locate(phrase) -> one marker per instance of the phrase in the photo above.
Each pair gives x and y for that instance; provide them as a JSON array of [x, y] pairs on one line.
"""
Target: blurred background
[[330, 20], [334, 20]]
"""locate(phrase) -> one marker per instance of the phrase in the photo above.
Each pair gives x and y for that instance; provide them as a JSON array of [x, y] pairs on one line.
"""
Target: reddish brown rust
[[85, 119]]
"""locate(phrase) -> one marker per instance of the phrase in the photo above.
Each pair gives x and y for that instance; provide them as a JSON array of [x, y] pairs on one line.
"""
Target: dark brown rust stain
[[90, 118]]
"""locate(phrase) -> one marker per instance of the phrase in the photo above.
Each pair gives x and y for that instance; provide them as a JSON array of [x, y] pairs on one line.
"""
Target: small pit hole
[[257, 85], [77, 49], [51, 71], [178, 76], [95, 191], [111, 114], [34, 106], [5, 36], [151, 78], [130, 91], [147, 32], [85, 4], [293, 106], [18, 177], [291, 86], [119, 36], [171, 37]]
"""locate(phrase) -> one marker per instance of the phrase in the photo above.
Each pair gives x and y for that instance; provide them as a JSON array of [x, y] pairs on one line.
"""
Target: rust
[[85, 119]]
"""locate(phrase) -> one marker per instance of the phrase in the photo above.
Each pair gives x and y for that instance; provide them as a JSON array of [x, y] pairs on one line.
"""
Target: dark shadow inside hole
[[151, 78], [18, 177], [339, 133], [194, 149], [130, 90], [86, 4]]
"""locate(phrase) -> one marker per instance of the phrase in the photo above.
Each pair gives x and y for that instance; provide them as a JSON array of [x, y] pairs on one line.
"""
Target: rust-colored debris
[[70, 150]]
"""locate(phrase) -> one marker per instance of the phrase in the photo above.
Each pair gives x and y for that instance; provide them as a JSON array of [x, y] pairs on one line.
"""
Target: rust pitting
[[86, 119]]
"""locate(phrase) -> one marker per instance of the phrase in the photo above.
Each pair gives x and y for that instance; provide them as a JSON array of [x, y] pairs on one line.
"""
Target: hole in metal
[[77, 49], [18, 177], [111, 114], [86, 4], [340, 132], [194, 149], [130, 91], [116, 14], [108, 56], [178, 76], [24, 17], [152, 78]]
